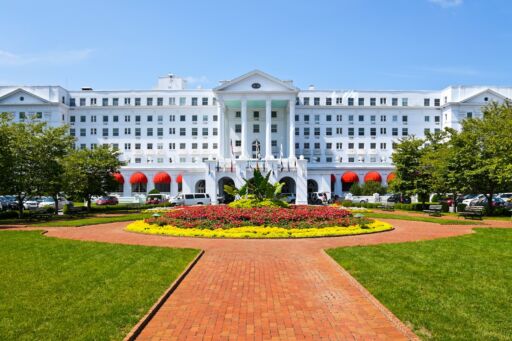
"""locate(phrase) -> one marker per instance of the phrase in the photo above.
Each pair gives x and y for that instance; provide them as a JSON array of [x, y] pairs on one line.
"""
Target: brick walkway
[[270, 289]]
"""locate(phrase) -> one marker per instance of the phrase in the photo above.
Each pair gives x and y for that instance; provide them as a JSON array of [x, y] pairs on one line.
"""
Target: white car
[[31, 203], [48, 202], [191, 199], [289, 198], [470, 201]]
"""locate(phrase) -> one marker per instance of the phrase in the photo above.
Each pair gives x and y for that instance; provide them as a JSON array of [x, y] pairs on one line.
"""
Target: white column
[[222, 137], [245, 153], [268, 129], [291, 124]]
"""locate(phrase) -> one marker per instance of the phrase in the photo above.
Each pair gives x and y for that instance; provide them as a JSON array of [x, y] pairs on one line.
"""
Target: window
[[383, 145], [273, 114], [172, 146], [328, 131], [183, 101], [238, 128], [194, 101], [351, 119], [339, 100], [194, 131], [205, 131], [127, 101], [137, 132], [238, 114], [437, 102], [204, 145], [204, 101], [105, 132], [360, 145], [372, 119], [273, 128], [360, 101], [137, 119], [115, 132], [205, 118], [72, 132], [183, 131], [373, 102], [405, 132], [215, 131], [160, 132], [306, 118], [316, 101], [105, 119], [104, 102], [317, 145], [351, 145], [350, 131], [115, 118], [394, 132], [306, 131], [72, 102], [150, 118], [127, 131], [93, 101], [404, 119], [469, 115], [426, 131], [317, 119], [93, 131], [361, 118], [339, 131], [82, 119], [160, 119], [373, 145], [350, 101], [149, 146], [238, 143], [328, 101], [172, 101], [405, 102], [383, 118], [395, 118], [172, 131], [437, 119], [172, 118], [256, 115], [127, 146], [182, 145], [256, 128], [317, 132], [383, 131], [339, 118], [339, 145], [383, 101], [159, 101], [215, 118], [127, 118], [328, 118], [394, 102], [426, 102], [72, 118], [137, 102], [183, 118], [297, 132], [306, 100], [82, 102], [351, 159], [373, 131], [360, 132], [93, 118], [194, 118]]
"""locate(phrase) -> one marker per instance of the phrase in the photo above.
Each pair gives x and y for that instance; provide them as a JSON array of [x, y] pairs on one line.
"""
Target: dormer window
[[22, 98], [486, 99]]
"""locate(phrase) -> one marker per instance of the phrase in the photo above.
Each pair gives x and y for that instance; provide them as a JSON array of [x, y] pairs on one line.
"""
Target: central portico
[[257, 130]]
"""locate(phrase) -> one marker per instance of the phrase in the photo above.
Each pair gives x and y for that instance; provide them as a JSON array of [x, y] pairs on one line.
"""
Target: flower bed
[[259, 222], [258, 231], [215, 217]]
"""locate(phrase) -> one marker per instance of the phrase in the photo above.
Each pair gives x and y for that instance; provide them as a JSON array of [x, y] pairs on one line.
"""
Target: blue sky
[[344, 44]]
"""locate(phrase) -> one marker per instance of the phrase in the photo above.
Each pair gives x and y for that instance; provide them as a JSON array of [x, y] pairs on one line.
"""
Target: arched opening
[[289, 185], [225, 198], [201, 186], [256, 149], [120, 182], [312, 186], [139, 183], [162, 182], [373, 176], [347, 180]]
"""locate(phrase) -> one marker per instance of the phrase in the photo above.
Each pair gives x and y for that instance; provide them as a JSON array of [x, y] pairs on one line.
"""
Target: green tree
[[368, 188], [89, 172], [413, 177]]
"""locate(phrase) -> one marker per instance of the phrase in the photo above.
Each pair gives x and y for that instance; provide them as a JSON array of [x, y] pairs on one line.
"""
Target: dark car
[[398, 198], [108, 200]]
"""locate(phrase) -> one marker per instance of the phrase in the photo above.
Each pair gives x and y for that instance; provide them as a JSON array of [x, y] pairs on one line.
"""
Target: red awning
[[119, 178], [162, 178], [333, 178], [349, 177], [373, 176], [391, 177], [138, 178], [179, 179]]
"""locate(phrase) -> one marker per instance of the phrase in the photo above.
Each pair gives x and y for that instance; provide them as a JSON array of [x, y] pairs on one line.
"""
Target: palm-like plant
[[258, 187]]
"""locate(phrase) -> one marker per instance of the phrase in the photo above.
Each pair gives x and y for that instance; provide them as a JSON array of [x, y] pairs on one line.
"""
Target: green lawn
[[426, 218], [93, 220], [55, 289], [456, 288]]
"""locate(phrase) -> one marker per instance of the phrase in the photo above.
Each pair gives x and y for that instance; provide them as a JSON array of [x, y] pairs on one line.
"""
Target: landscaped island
[[258, 222]]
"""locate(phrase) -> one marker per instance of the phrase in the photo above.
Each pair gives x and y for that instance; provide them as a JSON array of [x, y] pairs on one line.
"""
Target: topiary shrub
[[154, 191], [252, 202]]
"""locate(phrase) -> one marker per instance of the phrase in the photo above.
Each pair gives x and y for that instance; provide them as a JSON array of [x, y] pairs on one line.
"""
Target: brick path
[[270, 289]]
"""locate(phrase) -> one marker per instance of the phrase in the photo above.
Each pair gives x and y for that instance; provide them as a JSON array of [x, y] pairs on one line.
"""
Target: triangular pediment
[[483, 97], [21, 96], [256, 81]]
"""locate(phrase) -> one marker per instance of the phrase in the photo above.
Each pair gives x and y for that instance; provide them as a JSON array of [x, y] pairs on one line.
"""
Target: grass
[[442, 221], [93, 220], [447, 289], [54, 289]]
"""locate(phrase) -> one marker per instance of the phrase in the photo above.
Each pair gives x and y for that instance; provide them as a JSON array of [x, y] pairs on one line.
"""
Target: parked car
[[496, 202], [107, 200], [31, 203], [318, 198], [398, 198], [9, 202], [447, 201], [289, 197], [190, 199], [49, 202], [472, 199], [154, 199]]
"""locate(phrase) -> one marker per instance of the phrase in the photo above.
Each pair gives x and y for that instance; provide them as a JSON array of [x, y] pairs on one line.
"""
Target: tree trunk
[[490, 207], [20, 207], [88, 204], [56, 205]]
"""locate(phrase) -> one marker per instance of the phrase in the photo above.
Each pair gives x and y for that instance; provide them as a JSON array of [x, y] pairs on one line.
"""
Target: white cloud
[[51, 57], [447, 3]]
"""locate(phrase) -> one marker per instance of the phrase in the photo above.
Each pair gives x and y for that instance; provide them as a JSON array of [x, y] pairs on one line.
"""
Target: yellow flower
[[258, 231]]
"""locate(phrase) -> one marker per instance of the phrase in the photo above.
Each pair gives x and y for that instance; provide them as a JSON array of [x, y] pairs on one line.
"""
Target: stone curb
[[137, 329], [385, 311]]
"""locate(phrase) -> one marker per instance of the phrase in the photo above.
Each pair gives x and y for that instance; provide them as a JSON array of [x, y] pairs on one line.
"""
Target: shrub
[[461, 207], [251, 202], [154, 191], [8, 215]]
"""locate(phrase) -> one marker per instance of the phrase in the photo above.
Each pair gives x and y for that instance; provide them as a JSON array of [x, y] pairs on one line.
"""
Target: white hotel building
[[183, 140]]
